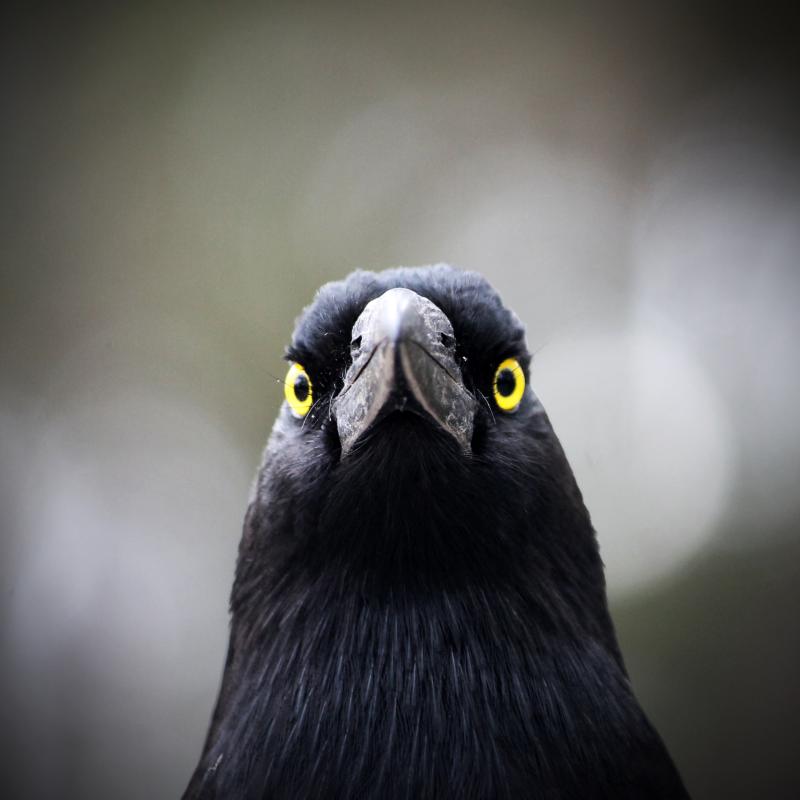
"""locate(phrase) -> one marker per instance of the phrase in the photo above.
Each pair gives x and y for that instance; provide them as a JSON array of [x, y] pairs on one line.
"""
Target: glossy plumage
[[414, 621]]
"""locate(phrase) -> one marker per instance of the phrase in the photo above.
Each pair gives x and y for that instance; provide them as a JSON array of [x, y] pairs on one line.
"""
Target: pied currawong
[[419, 608]]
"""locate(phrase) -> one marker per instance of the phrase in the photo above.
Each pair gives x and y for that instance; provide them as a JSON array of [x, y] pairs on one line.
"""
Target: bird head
[[412, 449], [431, 347]]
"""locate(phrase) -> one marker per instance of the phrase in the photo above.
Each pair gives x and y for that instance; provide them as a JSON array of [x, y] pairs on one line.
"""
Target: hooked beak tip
[[405, 350]]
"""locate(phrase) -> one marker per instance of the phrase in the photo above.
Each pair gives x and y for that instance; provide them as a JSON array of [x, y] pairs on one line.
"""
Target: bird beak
[[403, 356]]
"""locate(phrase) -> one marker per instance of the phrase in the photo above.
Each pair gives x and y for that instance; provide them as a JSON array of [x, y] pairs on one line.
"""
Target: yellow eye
[[509, 384], [297, 390]]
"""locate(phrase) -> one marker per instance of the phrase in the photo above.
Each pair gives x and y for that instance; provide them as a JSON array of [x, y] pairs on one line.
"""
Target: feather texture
[[411, 622]]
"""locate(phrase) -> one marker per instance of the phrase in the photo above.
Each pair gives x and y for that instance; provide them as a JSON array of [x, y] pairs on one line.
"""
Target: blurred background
[[177, 180]]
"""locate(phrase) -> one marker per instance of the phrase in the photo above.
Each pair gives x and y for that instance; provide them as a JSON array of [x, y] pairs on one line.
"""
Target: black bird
[[419, 608]]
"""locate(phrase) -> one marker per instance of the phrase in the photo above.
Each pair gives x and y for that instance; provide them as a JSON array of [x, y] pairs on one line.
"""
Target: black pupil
[[506, 382], [301, 388]]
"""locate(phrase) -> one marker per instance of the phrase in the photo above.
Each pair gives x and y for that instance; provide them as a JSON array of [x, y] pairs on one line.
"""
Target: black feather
[[411, 622]]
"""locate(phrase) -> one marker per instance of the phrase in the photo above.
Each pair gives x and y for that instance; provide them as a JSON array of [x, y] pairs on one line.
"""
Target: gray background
[[177, 180]]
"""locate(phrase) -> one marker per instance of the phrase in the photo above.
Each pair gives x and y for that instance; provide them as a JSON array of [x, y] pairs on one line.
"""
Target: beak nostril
[[402, 347]]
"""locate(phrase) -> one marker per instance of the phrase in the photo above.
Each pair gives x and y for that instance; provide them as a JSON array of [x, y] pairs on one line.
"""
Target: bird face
[[431, 349], [411, 445]]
